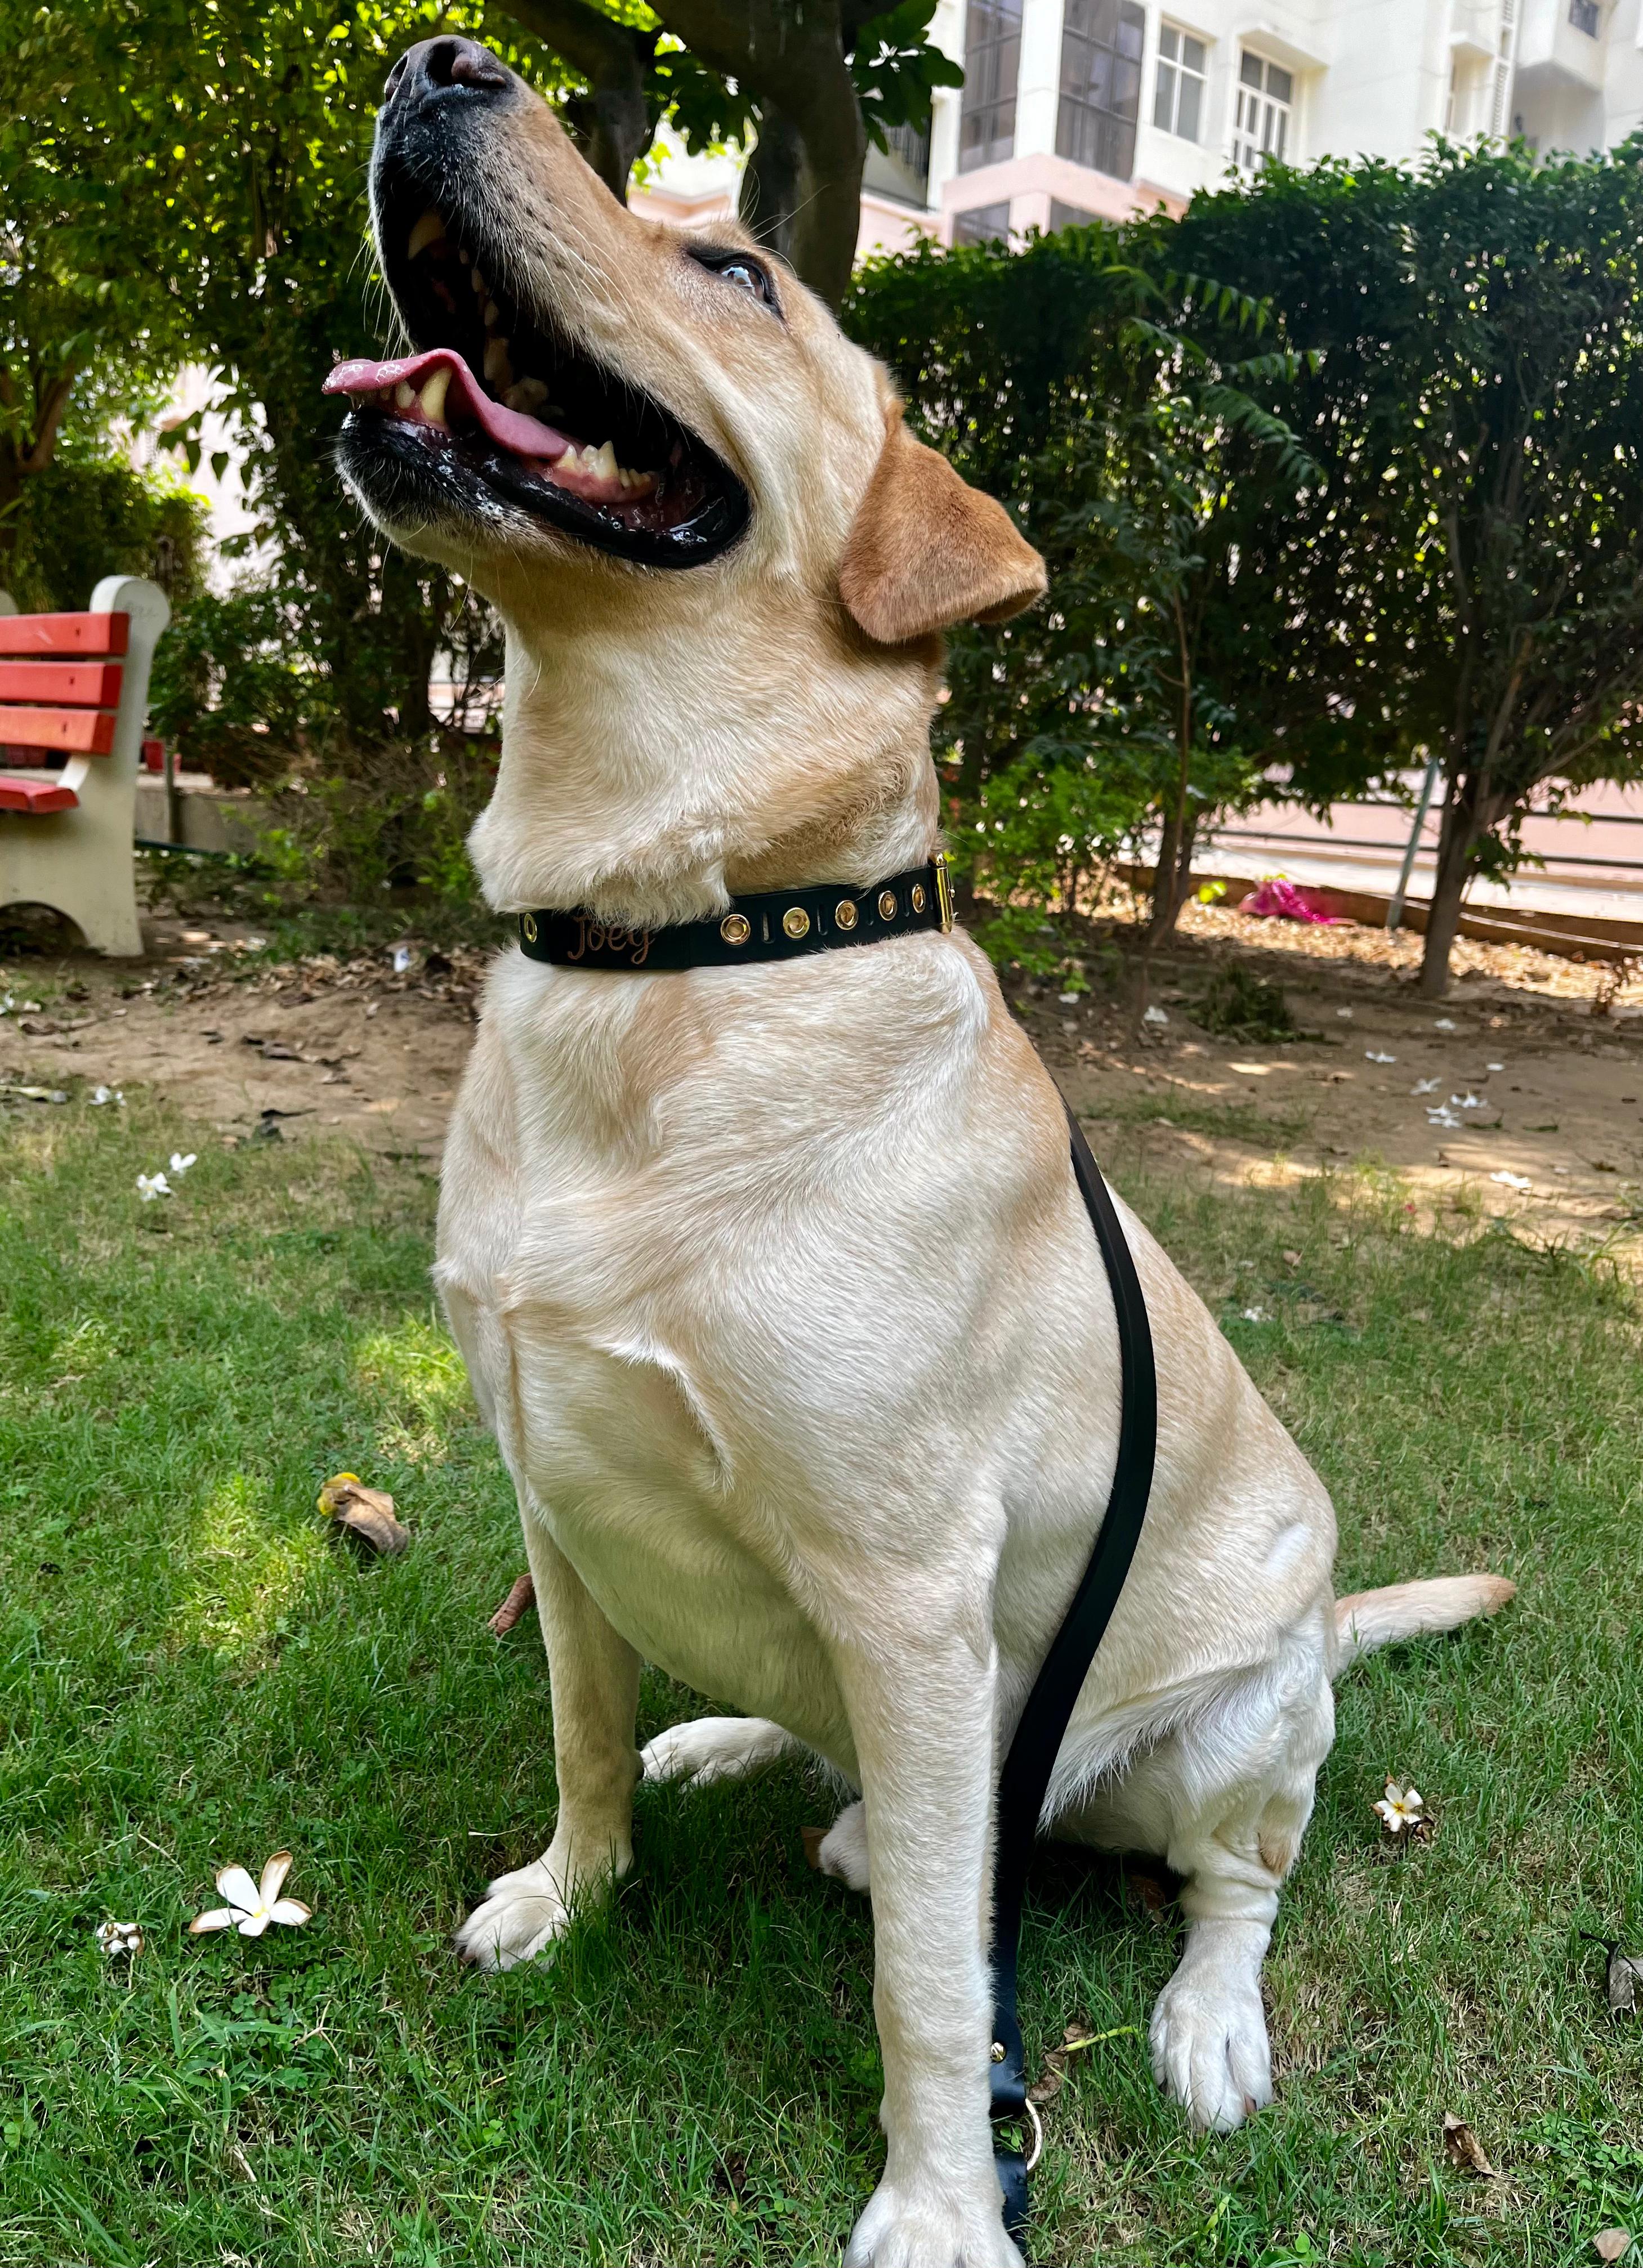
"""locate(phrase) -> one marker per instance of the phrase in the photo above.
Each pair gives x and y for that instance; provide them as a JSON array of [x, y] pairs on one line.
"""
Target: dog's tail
[[1371, 1618]]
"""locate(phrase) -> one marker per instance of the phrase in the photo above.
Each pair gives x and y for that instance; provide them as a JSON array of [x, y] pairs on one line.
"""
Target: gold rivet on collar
[[919, 897], [887, 904], [845, 913], [796, 922], [529, 927], [735, 928]]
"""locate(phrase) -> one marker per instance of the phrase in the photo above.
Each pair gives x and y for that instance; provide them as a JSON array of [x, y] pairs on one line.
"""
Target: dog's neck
[[650, 777]]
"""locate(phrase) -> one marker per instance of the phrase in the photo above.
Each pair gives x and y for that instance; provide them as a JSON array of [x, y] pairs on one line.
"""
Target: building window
[[992, 56], [1100, 84], [1265, 93], [983, 225], [1585, 16], [900, 171], [1178, 100], [1068, 217]]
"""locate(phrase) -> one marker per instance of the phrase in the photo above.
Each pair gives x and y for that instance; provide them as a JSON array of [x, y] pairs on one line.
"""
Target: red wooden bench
[[73, 699]]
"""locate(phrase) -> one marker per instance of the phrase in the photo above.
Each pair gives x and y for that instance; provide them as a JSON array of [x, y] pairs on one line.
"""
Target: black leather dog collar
[[774, 925]]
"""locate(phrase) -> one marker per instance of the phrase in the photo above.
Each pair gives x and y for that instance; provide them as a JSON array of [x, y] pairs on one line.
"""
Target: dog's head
[[590, 397]]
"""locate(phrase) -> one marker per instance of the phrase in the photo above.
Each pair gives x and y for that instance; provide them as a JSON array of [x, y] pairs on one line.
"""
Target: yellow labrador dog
[[774, 1282]]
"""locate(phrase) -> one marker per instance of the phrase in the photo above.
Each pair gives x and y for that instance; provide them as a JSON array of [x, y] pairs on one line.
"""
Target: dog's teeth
[[404, 394], [498, 369], [429, 230], [432, 395], [602, 460], [529, 393], [492, 314]]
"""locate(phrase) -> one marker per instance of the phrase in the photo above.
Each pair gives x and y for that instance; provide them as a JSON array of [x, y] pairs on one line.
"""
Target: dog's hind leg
[[593, 1677], [1226, 1800], [714, 1747], [1244, 1781]]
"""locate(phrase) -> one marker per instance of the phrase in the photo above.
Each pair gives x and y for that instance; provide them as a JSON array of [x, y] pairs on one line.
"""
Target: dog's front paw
[[933, 2227], [523, 1915], [1210, 2050]]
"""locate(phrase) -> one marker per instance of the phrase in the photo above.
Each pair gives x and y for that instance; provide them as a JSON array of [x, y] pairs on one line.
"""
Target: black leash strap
[[1025, 1780]]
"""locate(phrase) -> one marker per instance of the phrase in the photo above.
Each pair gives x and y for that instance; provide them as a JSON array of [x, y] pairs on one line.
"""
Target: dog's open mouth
[[493, 406]]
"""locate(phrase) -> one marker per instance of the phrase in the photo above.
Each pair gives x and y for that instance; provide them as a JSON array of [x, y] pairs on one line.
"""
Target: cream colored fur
[[775, 1288]]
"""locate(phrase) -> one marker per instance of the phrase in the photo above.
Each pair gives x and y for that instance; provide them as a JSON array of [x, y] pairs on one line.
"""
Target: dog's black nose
[[444, 66]]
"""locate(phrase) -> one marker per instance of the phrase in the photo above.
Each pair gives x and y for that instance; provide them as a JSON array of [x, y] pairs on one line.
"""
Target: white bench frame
[[81, 863]]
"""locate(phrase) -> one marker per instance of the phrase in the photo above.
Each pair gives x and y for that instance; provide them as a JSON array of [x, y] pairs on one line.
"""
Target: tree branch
[[613, 123], [36, 459], [797, 64]]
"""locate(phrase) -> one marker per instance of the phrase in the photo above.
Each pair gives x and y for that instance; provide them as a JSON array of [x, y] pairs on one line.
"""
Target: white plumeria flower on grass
[[121, 1940], [251, 1905], [1424, 1086], [1378, 1055], [1516, 1181], [151, 1186], [1401, 1810], [101, 1094], [179, 1165]]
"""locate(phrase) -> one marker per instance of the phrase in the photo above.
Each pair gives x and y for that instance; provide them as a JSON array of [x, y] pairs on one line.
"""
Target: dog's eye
[[751, 278], [739, 269]]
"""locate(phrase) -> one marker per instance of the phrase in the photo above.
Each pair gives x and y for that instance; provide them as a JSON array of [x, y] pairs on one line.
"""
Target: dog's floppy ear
[[925, 550]]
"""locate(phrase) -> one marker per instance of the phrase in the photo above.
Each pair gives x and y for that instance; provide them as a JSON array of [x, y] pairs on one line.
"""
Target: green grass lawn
[[193, 1671]]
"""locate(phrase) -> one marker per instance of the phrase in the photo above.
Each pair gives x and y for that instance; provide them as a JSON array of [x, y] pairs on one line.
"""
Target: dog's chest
[[629, 1483], [614, 1358]]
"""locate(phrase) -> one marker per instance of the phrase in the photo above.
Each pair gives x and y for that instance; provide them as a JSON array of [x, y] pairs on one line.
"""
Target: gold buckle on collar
[[944, 891]]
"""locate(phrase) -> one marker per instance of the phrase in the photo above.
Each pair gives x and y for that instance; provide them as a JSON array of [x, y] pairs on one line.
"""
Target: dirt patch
[[1513, 1075], [358, 1046]]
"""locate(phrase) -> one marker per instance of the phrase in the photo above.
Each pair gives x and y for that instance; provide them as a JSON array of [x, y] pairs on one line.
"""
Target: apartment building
[[1072, 108]]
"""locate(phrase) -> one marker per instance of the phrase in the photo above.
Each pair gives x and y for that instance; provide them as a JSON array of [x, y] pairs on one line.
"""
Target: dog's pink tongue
[[510, 428]]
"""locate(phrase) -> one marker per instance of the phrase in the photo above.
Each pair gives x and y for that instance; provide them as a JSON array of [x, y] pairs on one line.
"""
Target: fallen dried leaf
[[520, 1600], [1153, 1892], [1463, 2147], [813, 1838], [1079, 2034], [1623, 1981], [1612, 2243], [365, 1511]]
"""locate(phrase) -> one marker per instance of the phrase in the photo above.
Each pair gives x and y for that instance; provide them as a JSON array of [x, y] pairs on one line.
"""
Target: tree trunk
[[769, 192], [1456, 836], [828, 221], [11, 503], [1171, 876]]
